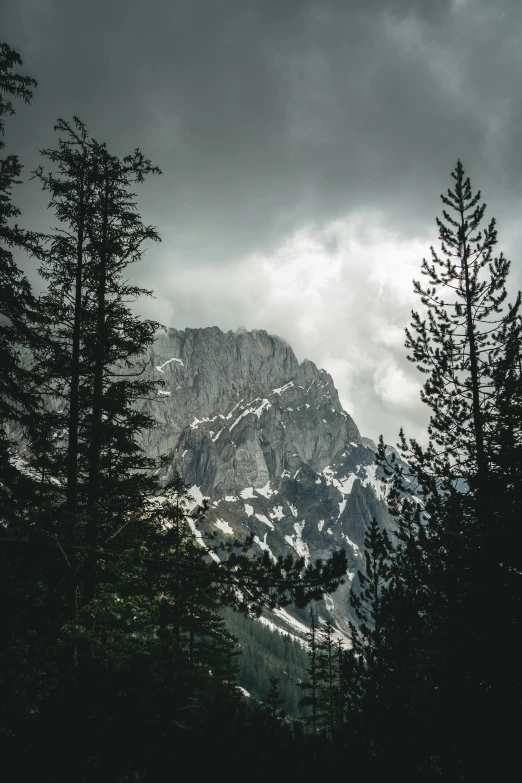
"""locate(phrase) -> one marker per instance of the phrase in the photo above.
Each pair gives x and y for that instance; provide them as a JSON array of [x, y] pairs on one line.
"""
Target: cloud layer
[[304, 146]]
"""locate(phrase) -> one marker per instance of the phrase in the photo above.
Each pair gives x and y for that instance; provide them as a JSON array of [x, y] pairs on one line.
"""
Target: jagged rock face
[[267, 441]]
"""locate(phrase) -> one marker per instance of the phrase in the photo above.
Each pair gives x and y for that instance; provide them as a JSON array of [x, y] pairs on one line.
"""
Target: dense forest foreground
[[119, 652]]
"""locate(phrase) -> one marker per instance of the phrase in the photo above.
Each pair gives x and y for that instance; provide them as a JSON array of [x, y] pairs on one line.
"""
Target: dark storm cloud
[[304, 147], [267, 115]]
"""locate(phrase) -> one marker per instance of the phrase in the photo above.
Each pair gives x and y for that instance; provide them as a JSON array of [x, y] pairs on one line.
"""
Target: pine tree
[[23, 631], [92, 360], [328, 678], [274, 698], [17, 303], [367, 600], [464, 297], [311, 686], [449, 570]]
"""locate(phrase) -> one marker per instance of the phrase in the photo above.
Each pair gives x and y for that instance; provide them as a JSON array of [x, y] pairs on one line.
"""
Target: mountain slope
[[267, 441]]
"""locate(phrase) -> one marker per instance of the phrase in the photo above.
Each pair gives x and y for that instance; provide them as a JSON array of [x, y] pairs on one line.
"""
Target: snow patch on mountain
[[264, 547], [283, 388], [222, 525], [160, 367], [296, 541], [247, 493], [263, 518]]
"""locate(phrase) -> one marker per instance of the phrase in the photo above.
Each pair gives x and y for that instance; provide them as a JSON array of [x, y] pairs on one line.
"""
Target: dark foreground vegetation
[[117, 661]]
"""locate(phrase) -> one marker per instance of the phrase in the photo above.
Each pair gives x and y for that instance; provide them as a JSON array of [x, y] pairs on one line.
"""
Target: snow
[[352, 543], [296, 473], [241, 416], [162, 393], [264, 519], [184, 453], [263, 407], [330, 531], [158, 500], [297, 624], [265, 491], [197, 496], [320, 525], [328, 474], [276, 629], [371, 480], [344, 485], [197, 421], [230, 499], [285, 474], [214, 439], [22, 466], [224, 526], [243, 691], [283, 388], [297, 542], [277, 513], [264, 547], [229, 415], [247, 493], [249, 510], [293, 509], [161, 366], [199, 538]]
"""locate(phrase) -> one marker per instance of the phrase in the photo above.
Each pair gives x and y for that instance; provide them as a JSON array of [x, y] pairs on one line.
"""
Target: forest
[[123, 641]]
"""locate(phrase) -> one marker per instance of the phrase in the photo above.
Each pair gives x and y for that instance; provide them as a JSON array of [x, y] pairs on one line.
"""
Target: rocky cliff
[[267, 441]]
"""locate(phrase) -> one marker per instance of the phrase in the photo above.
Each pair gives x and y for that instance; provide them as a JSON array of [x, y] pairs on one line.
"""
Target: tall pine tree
[[450, 573]]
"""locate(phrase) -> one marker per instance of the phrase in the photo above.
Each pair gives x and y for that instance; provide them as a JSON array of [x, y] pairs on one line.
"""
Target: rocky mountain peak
[[266, 440]]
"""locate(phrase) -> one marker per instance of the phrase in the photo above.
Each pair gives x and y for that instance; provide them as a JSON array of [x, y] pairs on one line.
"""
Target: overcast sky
[[304, 147]]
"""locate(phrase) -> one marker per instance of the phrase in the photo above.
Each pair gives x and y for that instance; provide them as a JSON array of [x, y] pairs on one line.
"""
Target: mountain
[[266, 440]]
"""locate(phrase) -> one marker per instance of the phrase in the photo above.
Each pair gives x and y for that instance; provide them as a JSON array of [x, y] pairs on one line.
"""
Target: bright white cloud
[[340, 294]]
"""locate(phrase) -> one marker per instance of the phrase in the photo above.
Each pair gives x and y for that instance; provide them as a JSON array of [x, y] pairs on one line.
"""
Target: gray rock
[[267, 441]]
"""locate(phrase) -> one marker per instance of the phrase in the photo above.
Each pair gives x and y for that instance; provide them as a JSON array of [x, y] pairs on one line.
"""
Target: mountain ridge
[[265, 439]]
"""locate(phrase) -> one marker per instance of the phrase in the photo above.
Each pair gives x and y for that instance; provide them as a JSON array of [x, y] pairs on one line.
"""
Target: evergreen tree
[[311, 686], [17, 303], [455, 347], [450, 571], [91, 359], [328, 677], [274, 699]]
